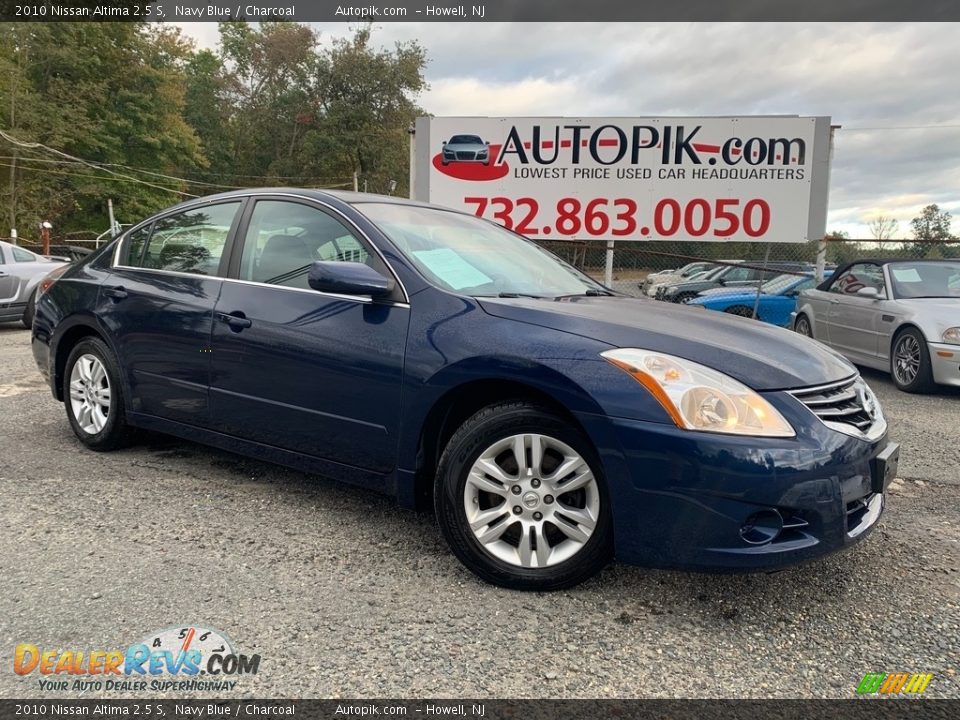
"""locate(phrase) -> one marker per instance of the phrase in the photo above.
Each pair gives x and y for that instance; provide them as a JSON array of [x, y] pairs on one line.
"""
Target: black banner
[[477, 11], [861, 709]]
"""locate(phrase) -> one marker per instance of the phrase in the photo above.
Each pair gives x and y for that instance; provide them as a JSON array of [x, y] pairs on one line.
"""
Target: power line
[[122, 179], [40, 146], [344, 179]]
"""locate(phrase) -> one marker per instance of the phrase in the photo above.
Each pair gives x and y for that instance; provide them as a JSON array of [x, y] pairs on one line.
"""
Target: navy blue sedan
[[438, 358]]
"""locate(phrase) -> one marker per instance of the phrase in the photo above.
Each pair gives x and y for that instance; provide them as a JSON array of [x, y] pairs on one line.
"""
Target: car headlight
[[952, 335], [700, 398], [672, 290]]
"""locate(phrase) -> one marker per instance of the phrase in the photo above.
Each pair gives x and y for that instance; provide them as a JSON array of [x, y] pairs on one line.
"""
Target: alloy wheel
[[906, 359], [531, 500], [803, 327], [90, 395]]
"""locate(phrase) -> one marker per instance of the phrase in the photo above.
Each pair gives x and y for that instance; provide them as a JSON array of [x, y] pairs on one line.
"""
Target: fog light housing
[[761, 527]]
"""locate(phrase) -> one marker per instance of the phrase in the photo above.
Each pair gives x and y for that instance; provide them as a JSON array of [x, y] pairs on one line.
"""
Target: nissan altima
[[441, 359]]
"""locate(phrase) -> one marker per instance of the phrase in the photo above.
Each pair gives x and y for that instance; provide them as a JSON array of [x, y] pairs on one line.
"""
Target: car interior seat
[[281, 254]]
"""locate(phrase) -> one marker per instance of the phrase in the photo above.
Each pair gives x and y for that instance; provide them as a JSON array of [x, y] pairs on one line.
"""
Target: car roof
[[332, 197]]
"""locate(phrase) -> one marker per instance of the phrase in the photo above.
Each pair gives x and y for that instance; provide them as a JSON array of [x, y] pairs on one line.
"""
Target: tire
[[740, 310], [684, 298], [910, 366], [90, 370], [30, 311], [510, 555], [802, 325]]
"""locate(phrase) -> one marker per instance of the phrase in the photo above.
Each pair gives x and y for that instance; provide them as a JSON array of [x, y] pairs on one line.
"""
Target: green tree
[[107, 93], [931, 226]]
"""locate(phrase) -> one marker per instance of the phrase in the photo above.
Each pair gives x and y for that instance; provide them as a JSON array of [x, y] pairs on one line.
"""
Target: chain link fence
[[758, 280]]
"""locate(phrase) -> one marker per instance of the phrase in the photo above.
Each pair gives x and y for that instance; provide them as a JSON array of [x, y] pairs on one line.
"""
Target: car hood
[[934, 307], [759, 355]]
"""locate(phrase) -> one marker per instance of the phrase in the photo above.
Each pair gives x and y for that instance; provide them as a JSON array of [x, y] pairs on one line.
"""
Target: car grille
[[848, 404], [466, 156]]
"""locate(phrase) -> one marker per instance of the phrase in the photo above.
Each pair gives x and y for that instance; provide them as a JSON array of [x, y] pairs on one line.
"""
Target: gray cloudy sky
[[893, 87]]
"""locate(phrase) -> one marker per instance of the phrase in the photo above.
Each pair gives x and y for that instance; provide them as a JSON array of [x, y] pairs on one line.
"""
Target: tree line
[[139, 114]]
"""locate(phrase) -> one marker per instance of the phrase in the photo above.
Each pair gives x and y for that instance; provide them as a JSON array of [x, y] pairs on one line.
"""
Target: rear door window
[[190, 242]]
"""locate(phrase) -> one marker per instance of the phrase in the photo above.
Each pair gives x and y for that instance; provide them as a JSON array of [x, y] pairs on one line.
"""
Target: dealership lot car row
[[422, 352]]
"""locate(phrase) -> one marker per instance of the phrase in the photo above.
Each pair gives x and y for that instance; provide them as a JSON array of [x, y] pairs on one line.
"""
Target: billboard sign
[[698, 179]]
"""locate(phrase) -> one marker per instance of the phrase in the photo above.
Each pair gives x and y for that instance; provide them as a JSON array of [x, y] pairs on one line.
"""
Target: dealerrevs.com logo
[[179, 658]]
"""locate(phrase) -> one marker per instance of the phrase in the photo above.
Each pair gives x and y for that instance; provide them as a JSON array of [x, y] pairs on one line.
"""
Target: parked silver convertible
[[900, 316]]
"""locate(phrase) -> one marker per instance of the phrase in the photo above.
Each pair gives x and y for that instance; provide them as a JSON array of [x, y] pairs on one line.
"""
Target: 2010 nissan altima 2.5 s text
[[437, 357]]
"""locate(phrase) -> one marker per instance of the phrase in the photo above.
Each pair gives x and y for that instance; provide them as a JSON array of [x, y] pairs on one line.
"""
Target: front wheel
[[910, 362], [802, 326], [684, 298], [93, 396], [521, 499]]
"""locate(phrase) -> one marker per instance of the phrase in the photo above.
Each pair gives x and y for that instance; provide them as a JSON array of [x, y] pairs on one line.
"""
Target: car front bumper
[[945, 362], [704, 501]]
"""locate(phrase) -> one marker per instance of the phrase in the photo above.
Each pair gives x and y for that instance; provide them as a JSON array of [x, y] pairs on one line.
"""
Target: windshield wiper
[[520, 295], [589, 292]]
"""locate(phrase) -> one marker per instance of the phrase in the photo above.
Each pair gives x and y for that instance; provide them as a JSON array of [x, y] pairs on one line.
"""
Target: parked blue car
[[778, 299], [446, 361]]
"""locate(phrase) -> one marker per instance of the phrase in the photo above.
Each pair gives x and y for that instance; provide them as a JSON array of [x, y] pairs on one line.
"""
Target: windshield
[[474, 257], [925, 279], [465, 140]]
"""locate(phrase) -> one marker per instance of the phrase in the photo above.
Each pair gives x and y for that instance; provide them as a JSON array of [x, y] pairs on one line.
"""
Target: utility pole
[[113, 222], [356, 182]]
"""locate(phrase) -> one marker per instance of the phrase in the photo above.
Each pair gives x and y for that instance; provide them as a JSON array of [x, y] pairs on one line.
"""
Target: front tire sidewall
[[114, 432], [475, 436], [802, 326], [923, 382]]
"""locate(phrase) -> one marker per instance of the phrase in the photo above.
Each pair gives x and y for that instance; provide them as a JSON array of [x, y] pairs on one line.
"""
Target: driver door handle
[[236, 320], [117, 293]]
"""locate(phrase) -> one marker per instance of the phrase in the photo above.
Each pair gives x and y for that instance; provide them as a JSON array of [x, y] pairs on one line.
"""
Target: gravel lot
[[345, 595]]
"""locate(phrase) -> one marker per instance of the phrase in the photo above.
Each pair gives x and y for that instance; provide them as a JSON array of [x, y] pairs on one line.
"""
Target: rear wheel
[[802, 326], [93, 396], [910, 362], [521, 499]]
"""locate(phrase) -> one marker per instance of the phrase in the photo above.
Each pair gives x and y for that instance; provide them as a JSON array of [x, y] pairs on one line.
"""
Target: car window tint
[[191, 241], [135, 242], [21, 255], [284, 238]]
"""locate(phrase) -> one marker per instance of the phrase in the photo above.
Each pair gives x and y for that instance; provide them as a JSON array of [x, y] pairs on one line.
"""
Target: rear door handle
[[236, 320], [117, 293]]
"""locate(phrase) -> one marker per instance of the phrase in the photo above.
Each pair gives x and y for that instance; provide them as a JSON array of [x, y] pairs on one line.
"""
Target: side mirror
[[444, 142], [487, 142], [869, 292], [349, 278]]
